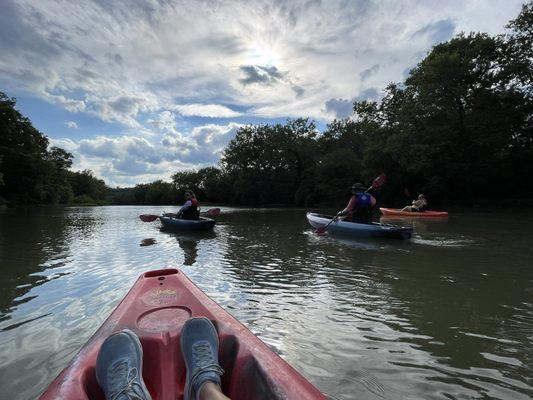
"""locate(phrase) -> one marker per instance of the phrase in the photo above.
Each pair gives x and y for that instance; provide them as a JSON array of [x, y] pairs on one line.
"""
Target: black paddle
[[213, 212]]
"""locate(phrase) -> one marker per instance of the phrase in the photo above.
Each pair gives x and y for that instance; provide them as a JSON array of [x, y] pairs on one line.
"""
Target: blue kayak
[[357, 229], [178, 224]]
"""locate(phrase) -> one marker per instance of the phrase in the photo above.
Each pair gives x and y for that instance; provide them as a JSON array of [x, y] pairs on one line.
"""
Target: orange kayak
[[399, 213], [156, 308]]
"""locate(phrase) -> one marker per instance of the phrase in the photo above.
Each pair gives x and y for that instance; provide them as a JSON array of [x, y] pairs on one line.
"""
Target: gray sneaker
[[119, 367], [199, 346]]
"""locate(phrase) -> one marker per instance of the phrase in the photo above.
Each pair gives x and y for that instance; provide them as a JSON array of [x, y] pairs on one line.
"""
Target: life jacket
[[192, 212], [364, 201]]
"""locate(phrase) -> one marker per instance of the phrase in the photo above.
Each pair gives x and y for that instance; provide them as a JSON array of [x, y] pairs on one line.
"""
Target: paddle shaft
[[323, 229], [151, 217]]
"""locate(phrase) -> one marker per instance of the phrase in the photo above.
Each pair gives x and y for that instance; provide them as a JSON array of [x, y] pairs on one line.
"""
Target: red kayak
[[399, 213], [156, 308]]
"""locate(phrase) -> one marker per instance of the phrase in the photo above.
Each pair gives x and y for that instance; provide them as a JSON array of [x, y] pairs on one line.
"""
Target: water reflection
[[188, 243], [34, 250], [147, 242], [361, 319]]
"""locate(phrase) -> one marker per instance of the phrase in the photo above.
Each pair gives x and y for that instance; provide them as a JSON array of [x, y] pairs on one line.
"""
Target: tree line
[[33, 173], [458, 128]]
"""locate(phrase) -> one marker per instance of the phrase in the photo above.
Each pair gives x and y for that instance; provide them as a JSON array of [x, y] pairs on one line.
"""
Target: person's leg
[[199, 347], [406, 208], [211, 391], [119, 367]]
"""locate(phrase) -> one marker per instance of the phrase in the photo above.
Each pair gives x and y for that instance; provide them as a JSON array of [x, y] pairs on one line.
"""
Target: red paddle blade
[[406, 192], [148, 217], [213, 212], [320, 231], [379, 181]]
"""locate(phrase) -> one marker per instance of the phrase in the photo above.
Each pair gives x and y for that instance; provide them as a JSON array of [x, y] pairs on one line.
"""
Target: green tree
[[450, 128], [266, 163], [31, 173], [86, 187]]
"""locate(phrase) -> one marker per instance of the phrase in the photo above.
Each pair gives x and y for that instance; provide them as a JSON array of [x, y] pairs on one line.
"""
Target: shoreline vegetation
[[459, 129]]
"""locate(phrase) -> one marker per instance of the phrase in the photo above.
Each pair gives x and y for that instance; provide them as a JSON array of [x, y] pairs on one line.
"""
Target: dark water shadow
[[147, 242], [188, 242]]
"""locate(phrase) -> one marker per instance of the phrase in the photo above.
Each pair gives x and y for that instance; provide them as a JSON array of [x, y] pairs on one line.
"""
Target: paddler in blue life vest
[[360, 207], [191, 208]]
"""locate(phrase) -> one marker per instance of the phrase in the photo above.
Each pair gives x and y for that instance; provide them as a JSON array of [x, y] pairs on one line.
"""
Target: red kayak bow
[[156, 308]]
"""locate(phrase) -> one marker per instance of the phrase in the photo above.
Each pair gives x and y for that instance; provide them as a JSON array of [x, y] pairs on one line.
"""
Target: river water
[[446, 315]]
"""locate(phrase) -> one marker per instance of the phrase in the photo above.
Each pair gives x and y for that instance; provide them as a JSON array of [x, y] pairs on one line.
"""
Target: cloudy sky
[[137, 90]]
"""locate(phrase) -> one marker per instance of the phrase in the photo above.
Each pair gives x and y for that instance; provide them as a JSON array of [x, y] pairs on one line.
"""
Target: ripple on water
[[360, 319]]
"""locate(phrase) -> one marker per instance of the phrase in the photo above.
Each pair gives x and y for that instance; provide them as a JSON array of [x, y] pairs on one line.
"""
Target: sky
[[138, 90]]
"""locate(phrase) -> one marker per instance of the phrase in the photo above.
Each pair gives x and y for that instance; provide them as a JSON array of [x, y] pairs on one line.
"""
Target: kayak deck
[[427, 214], [357, 229], [156, 308], [202, 224]]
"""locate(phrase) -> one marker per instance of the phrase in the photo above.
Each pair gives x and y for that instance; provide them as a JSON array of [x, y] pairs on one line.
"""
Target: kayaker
[[119, 364], [418, 205], [189, 210], [360, 207]]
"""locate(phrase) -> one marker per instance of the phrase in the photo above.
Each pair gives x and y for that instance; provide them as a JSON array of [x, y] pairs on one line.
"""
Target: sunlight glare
[[262, 55]]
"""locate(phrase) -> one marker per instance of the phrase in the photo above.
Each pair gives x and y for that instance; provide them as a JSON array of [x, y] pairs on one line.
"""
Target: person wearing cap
[[418, 205], [360, 207], [191, 208]]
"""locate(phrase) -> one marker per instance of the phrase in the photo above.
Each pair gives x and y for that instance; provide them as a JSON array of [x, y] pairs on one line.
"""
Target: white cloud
[[206, 110], [129, 159], [275, 59], [165, 121], [124, 108], [71, 125], [67, 144]]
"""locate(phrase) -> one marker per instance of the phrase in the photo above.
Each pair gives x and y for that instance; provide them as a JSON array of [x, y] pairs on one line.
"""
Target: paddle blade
[[379, 181], [407, 194], [320, 231], [148, 217], [213, 212]]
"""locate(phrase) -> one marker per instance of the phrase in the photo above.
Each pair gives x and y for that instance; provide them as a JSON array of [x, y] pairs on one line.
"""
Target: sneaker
[[199, 346], [119, 367]]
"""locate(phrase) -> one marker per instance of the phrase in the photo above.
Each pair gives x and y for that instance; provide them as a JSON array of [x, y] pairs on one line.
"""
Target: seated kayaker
[[119, 364], [360, 207], [191, 208], [418, 205]]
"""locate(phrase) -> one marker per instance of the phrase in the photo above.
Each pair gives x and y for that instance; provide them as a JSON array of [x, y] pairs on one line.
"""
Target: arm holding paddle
[[376, 184]]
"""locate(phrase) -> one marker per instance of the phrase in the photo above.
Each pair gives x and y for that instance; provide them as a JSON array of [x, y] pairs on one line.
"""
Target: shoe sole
[[186, 390], [139, 349]]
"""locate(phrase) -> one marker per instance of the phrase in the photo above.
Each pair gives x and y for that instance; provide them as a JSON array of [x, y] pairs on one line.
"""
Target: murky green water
[[446, 315]]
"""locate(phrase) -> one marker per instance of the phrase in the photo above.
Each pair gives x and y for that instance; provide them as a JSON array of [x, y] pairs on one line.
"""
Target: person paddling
[[191, 208], [418, 205], [360, 207]]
